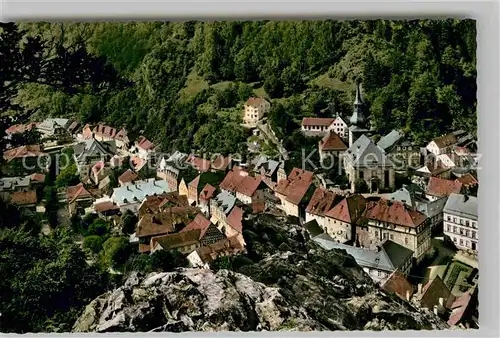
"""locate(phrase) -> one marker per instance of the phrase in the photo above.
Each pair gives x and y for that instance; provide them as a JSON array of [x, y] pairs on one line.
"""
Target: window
[[467, 223], [392, 236], [449, 228], [467, 244], [454, 239], [462, 232], [473, 234], [467, 233], [406, 240], [461, 221], [376, 233], [454, 220], [473, 224], [384, 235], [362, 175], [449, 218], [455, 230], [461, 242]]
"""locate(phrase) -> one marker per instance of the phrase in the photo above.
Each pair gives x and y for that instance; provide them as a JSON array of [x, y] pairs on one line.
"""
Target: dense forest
[[183, 84]]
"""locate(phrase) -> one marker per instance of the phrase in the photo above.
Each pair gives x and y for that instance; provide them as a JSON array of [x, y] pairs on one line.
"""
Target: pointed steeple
[[357, 118], [359, 100]]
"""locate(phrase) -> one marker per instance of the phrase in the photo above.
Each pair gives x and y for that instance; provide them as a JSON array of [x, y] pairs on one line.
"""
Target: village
[[418, 240]]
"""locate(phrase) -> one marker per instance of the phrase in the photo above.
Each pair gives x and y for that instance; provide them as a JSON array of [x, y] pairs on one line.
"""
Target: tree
[[116, 251], [93, 243], [68, 176], [360, 186], [128, 222], [163, 260], [99, 227]]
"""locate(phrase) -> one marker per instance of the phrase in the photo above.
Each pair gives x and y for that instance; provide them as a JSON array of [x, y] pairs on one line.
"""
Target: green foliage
[[46, 281], [99, 227], [116, 251], [68, 176], [93, 243], [162, 260], [128, 222]]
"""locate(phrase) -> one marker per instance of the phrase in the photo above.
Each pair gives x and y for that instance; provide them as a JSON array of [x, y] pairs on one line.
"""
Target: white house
[[130, 196], [461, 222], [340, 127], [255, 109]]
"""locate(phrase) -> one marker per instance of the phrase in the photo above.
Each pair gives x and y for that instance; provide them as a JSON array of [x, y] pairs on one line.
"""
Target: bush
[[116, 251], [93, 243], [163, 260], [99, 227], [128, 222]]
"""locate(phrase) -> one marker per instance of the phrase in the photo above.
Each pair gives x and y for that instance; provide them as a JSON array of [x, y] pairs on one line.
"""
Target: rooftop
[[364, 153], [295, 186], [317, 121], [440, 187], [165, 221], [23, 198], [461, 205], [128, 176], [389, 140], [332, 142], [394, 212], [139, 191], [180, 239], [348, 210], [322, 201], [255, 101]]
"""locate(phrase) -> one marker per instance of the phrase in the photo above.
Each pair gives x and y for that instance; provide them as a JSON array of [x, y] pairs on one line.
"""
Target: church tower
[[357, 120]]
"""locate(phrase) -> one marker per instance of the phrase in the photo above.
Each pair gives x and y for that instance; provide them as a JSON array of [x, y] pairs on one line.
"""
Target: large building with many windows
[[460, 221]]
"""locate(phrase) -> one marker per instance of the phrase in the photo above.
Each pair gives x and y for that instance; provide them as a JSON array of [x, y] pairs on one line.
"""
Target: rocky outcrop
[[294, 285]]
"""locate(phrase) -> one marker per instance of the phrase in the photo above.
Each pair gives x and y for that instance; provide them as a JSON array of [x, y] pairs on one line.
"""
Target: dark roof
[[313, 228], [434, 290], [397, 254], [128, 176], [176, 240], [212, 178]]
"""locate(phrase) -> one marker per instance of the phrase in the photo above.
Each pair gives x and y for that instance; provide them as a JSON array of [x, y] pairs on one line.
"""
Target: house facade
[[292, 192], [255, 109], [366, 161], [321, 202], [341, 219], [461, 221], [316, 126], [332, 147], [395, 221]]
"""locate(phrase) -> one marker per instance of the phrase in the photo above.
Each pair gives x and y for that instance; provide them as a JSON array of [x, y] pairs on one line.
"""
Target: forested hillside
[[185, 81]]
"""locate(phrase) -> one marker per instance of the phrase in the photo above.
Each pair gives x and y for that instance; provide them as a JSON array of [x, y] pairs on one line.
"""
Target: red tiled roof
[[332, 141], [445, 141], [394, 212], [164, 222], [458, 307], [467, 180], [238, 180], [398, 284], [254, 101], [21, 128], [144, 143], [127, 176], [121, 135], [23, 198], [322, 201], [235, 218], [295, 186], [221, 163], [200, 164], [137, 162], [38, 177], [74, 192], [207, 192], [105, 206], [440, 187], [104, 130], [22, 151], [317, 121], [152, 204], [349, 210], [200, 223]]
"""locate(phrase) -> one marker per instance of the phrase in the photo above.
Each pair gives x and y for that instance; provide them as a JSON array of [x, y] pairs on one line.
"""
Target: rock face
[[298, 287]]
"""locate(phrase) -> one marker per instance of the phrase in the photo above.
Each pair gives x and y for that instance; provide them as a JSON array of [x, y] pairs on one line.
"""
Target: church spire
[[357, 118]]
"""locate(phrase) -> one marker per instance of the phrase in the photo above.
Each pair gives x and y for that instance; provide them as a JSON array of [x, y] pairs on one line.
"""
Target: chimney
[[419, 288], [408, 295], [441, 301], [435, 310]]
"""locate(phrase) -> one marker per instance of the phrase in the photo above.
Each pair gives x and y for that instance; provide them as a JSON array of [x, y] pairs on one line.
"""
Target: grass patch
[[260, 92], [325, 81], [194, 85], [222, 85]]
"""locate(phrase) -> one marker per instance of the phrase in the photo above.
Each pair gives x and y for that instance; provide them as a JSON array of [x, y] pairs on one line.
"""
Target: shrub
[[99, 227], [93, 243]]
